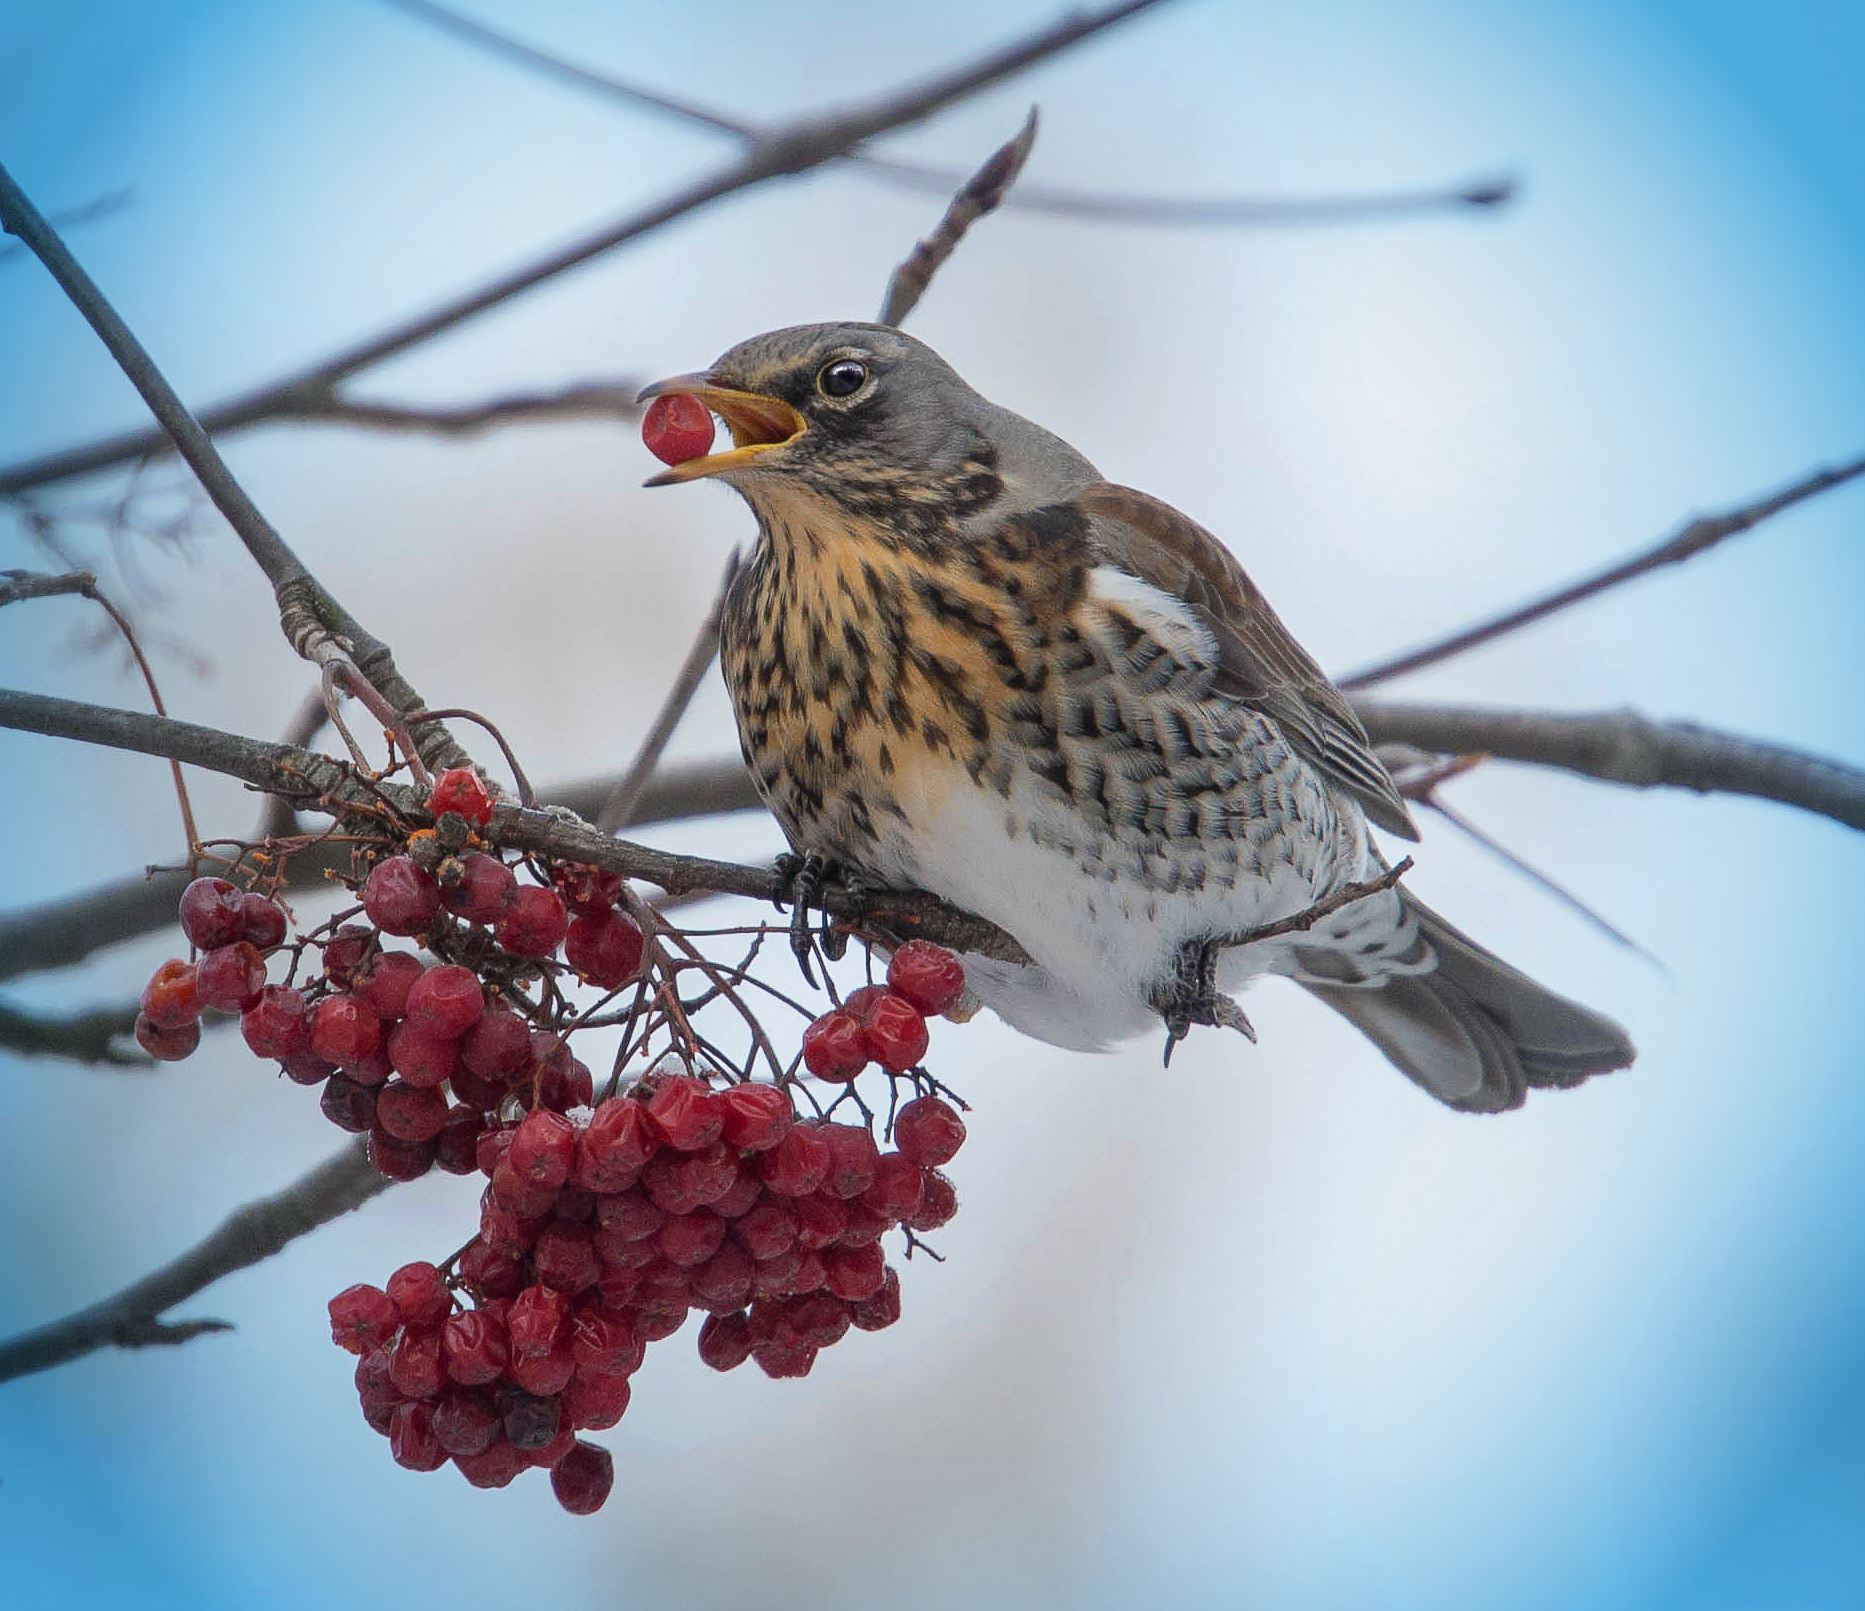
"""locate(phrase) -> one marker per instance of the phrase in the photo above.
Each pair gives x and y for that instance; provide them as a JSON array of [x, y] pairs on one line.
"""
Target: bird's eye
[[843, 378]]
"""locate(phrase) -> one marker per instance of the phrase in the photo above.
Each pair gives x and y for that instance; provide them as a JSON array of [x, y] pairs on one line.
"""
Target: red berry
[[581, 1480], [344, 1029], [544, 1375], [530, 1200], [400, 897], [465, 1425], [744, 1194], [488, 1273], [399, 1159], [604, 947], [305, 1067], [821, 1220], [445, 1001], [895, 1194], [460, 789], [928, 1131], [835, 1047], [938, 1203], [893, 1032], [677, 427], [685, 1113], [543, 1148], [262, 922], [818, 1317], [536, 1322], [853, 1158], [475, 1346], [480, 893], [410, 1112], [585, 888], [493, 1469], [347, 951], [594, 1399], [384, 981], [882, 1309], [690, 1239], [603, 1343], [347, 1105], [274, 1025], [561, 1081], [420, 1056], [928, 975], [855, 1273], [230, 977], [725, 1340], [172, 997], [756, 1117], [412, 1440], [361, 1317], [617, 1142], [780, 1362], [860, 1221], [767, 1229], [212, 913], [166, 1045], [498, 1046], [796, 1166], [456, 1148], [565, 1258], [533, 923], [725, 1281], [419, 1294]]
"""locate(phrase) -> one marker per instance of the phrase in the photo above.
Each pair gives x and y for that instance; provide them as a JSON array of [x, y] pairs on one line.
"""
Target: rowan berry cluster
[[605, 1221]]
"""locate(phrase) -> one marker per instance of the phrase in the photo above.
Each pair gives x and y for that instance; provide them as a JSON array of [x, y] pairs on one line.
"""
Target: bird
[[963, 662]]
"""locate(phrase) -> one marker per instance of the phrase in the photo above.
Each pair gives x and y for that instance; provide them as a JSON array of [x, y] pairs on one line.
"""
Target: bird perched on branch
[[962, 662]]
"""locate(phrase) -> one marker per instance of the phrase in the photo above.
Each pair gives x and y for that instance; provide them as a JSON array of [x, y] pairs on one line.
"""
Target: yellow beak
[[757, 423]]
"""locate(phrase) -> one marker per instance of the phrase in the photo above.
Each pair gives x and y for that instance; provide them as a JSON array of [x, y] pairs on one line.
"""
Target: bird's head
[[868, 421]]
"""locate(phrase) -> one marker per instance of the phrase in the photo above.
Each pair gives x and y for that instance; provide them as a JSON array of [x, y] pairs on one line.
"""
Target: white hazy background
[[1269, 1329]]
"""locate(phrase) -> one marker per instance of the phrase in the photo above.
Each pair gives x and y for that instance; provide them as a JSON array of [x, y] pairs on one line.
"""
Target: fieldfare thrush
[[962, 662]]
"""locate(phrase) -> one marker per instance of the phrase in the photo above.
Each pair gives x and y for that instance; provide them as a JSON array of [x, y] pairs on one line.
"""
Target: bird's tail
[[1473, 1031]]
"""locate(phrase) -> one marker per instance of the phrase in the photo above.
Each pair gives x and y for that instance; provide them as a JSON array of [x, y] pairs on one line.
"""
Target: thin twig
[[89, 212], [1696, 537], [1101, 206], [459, 713], [1302, 921], [578, 400], [131, 1318], [618, 811], [792, 148], [18, 586], [982, 193]]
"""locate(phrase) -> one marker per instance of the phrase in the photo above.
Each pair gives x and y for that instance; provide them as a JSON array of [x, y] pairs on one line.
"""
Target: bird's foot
[[801, 880], [1191, 996]]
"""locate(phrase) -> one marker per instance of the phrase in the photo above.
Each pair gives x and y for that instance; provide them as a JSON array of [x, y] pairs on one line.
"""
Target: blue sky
[[1268, 1330]]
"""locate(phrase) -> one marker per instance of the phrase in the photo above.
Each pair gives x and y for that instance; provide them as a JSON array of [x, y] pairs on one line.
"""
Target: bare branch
[[131, 1318], [95, 1035], [790, 149], [1696, 537], [60, 932], [309, 777], [579, 400], [618, 811], [1625, 747], [982, 193], [1099, 206], [1302, 921]]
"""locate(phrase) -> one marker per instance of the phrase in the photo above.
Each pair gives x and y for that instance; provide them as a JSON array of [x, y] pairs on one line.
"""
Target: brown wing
[[1259, 662]]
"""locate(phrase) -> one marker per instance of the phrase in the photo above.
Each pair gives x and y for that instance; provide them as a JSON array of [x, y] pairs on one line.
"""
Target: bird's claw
[[1191, 996], [800, 880]]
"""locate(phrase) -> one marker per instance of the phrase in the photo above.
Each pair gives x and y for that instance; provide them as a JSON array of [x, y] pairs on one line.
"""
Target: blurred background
[[1271, 1328]]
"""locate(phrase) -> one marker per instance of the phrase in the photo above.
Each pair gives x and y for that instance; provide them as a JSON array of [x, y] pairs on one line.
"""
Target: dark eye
[[843, 378]]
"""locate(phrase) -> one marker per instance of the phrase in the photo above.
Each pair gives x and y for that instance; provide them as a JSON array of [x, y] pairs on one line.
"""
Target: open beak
[[757, 423]]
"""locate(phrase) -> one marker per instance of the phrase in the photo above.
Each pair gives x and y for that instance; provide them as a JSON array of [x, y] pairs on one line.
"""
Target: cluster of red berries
[[600, 1232], [603, 1224], [387, 1035]]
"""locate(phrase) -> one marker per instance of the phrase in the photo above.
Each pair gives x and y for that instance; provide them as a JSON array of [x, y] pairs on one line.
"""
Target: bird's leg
[[1190, 996], [800, 880]]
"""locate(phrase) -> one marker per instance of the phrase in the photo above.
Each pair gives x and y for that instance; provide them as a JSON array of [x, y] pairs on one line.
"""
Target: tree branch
[[92, 1036], [578, 400], [792, 148], [131, 1318], [1696, 537], [1060, 201], [1625, 747]]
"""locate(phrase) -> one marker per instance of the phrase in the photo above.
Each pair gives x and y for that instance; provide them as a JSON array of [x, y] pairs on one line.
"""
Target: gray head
[[872, 422]]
